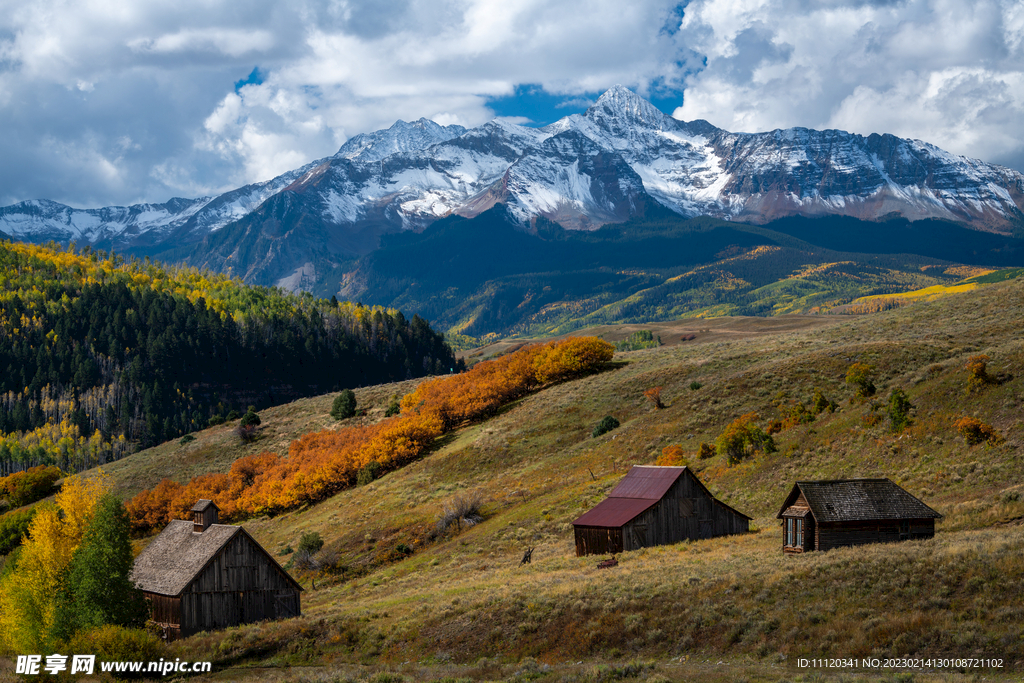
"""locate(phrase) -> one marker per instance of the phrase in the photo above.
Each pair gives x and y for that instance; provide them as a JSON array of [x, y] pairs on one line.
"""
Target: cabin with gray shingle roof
[[820, 515], [200, 575], [655, 505]]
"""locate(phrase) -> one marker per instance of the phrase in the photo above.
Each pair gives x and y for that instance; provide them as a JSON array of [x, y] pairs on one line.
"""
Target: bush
[[975, 431], [694, 386], [344, 405], [368, 473], [233, 415], [706, 451], [35, 483], [654, 396], [977, 372], [672, 456], [742, 438], [458, 511], [607, 424], [116, 643], [860, 375], [13, 527], [310, 542], [215, 420], [394, 407], [820, 403], [251, 419], [899, 410], [187, 439]]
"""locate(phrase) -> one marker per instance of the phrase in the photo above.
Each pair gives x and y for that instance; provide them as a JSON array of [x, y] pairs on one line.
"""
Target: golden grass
[[735, 600]]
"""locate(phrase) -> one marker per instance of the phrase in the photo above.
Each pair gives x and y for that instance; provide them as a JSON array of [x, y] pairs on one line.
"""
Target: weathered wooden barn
[[819, 515], [201, 575], [655, 506]]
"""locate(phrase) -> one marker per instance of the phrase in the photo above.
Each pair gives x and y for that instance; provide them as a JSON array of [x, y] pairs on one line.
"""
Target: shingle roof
[[202, 504], [177, 555], [849, 500]]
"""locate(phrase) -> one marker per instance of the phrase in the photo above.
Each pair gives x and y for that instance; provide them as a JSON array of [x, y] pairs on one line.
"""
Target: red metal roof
[[612, 512], [642, 487], [646, 482]]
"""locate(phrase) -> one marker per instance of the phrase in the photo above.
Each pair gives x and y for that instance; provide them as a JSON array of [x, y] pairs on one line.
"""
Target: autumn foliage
[[22, 488], [975, 431], [322, 463]]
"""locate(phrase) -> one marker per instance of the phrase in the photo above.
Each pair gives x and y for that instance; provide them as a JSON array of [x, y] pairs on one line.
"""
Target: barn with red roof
[[655, 506]]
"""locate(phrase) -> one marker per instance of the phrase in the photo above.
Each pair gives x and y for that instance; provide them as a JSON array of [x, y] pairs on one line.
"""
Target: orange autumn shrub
[[322, 463]]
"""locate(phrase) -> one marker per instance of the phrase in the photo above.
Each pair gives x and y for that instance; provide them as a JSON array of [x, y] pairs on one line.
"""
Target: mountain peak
[[621, 105]]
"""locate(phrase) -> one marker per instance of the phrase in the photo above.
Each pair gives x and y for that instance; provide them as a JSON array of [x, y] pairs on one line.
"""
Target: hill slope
[[535, 467]]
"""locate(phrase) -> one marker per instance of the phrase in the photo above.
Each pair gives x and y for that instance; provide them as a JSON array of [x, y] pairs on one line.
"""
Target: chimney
[[204, 513]]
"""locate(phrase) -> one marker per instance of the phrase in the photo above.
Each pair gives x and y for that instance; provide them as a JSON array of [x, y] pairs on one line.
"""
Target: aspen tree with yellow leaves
[[29, 591]]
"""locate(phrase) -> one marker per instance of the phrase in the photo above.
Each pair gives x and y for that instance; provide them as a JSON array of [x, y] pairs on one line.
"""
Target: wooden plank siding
[[598, 541], [239, 585], [840, 534]]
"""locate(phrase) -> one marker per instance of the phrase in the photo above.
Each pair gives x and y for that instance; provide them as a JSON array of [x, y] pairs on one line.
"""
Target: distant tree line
[[97, 353]]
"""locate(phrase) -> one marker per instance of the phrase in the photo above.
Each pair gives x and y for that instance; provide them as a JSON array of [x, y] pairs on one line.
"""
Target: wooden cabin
[[200, 575], [820, 515], [655, 506]]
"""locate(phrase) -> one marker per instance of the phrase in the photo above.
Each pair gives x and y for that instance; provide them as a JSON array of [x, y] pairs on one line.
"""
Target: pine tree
[[98, 589]]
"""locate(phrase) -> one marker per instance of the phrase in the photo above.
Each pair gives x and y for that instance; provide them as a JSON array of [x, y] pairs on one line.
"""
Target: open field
[[728, 609]]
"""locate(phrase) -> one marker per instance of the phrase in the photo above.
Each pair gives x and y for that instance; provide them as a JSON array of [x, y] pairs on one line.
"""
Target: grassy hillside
[[728, 609]]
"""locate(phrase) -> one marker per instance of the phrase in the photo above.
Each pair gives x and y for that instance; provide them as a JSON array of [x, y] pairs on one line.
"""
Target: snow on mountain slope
[[606, 165]]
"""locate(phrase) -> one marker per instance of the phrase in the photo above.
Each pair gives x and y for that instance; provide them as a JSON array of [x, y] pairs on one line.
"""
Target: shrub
[[977, 372], [368, 473], [742, 438], [607, 424], [233, 415], [820, 403], [672, 456], [899, 410], [654, 396], [975, 431], [187, 439], [117, 643], [13, 527], [694, 386], [344, 405], [310, 542], [251, 419], [215, 420], [460, 509], [35, 483], [707, 451], [860, 375], [394, 407]]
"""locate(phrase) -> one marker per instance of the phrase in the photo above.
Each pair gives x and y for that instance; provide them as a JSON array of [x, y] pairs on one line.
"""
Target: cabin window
[[904, 529], [800, 533], [789, 531]]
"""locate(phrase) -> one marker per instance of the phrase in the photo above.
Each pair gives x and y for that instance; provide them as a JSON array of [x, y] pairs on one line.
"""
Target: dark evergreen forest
[[99, 355]]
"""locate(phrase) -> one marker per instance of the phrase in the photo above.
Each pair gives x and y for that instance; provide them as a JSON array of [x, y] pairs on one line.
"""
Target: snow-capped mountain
[[613, 162]]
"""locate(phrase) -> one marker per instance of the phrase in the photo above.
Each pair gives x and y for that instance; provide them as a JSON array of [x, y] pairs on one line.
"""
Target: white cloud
[[942, 71], [105, 103]]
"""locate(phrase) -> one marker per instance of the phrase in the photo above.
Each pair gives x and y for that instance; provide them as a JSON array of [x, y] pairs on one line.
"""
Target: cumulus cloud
[[115, 103], [946, 72]]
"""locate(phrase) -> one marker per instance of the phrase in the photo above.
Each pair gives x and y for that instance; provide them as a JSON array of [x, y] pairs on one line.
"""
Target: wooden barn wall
[[598, 541], [240, 585], [840, 534], [686, 511]]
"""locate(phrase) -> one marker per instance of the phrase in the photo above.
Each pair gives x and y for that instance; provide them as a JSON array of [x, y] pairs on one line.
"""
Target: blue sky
[[106, 103]]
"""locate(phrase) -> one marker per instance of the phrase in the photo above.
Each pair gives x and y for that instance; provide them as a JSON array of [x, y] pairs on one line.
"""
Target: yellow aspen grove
[[28, 593]]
